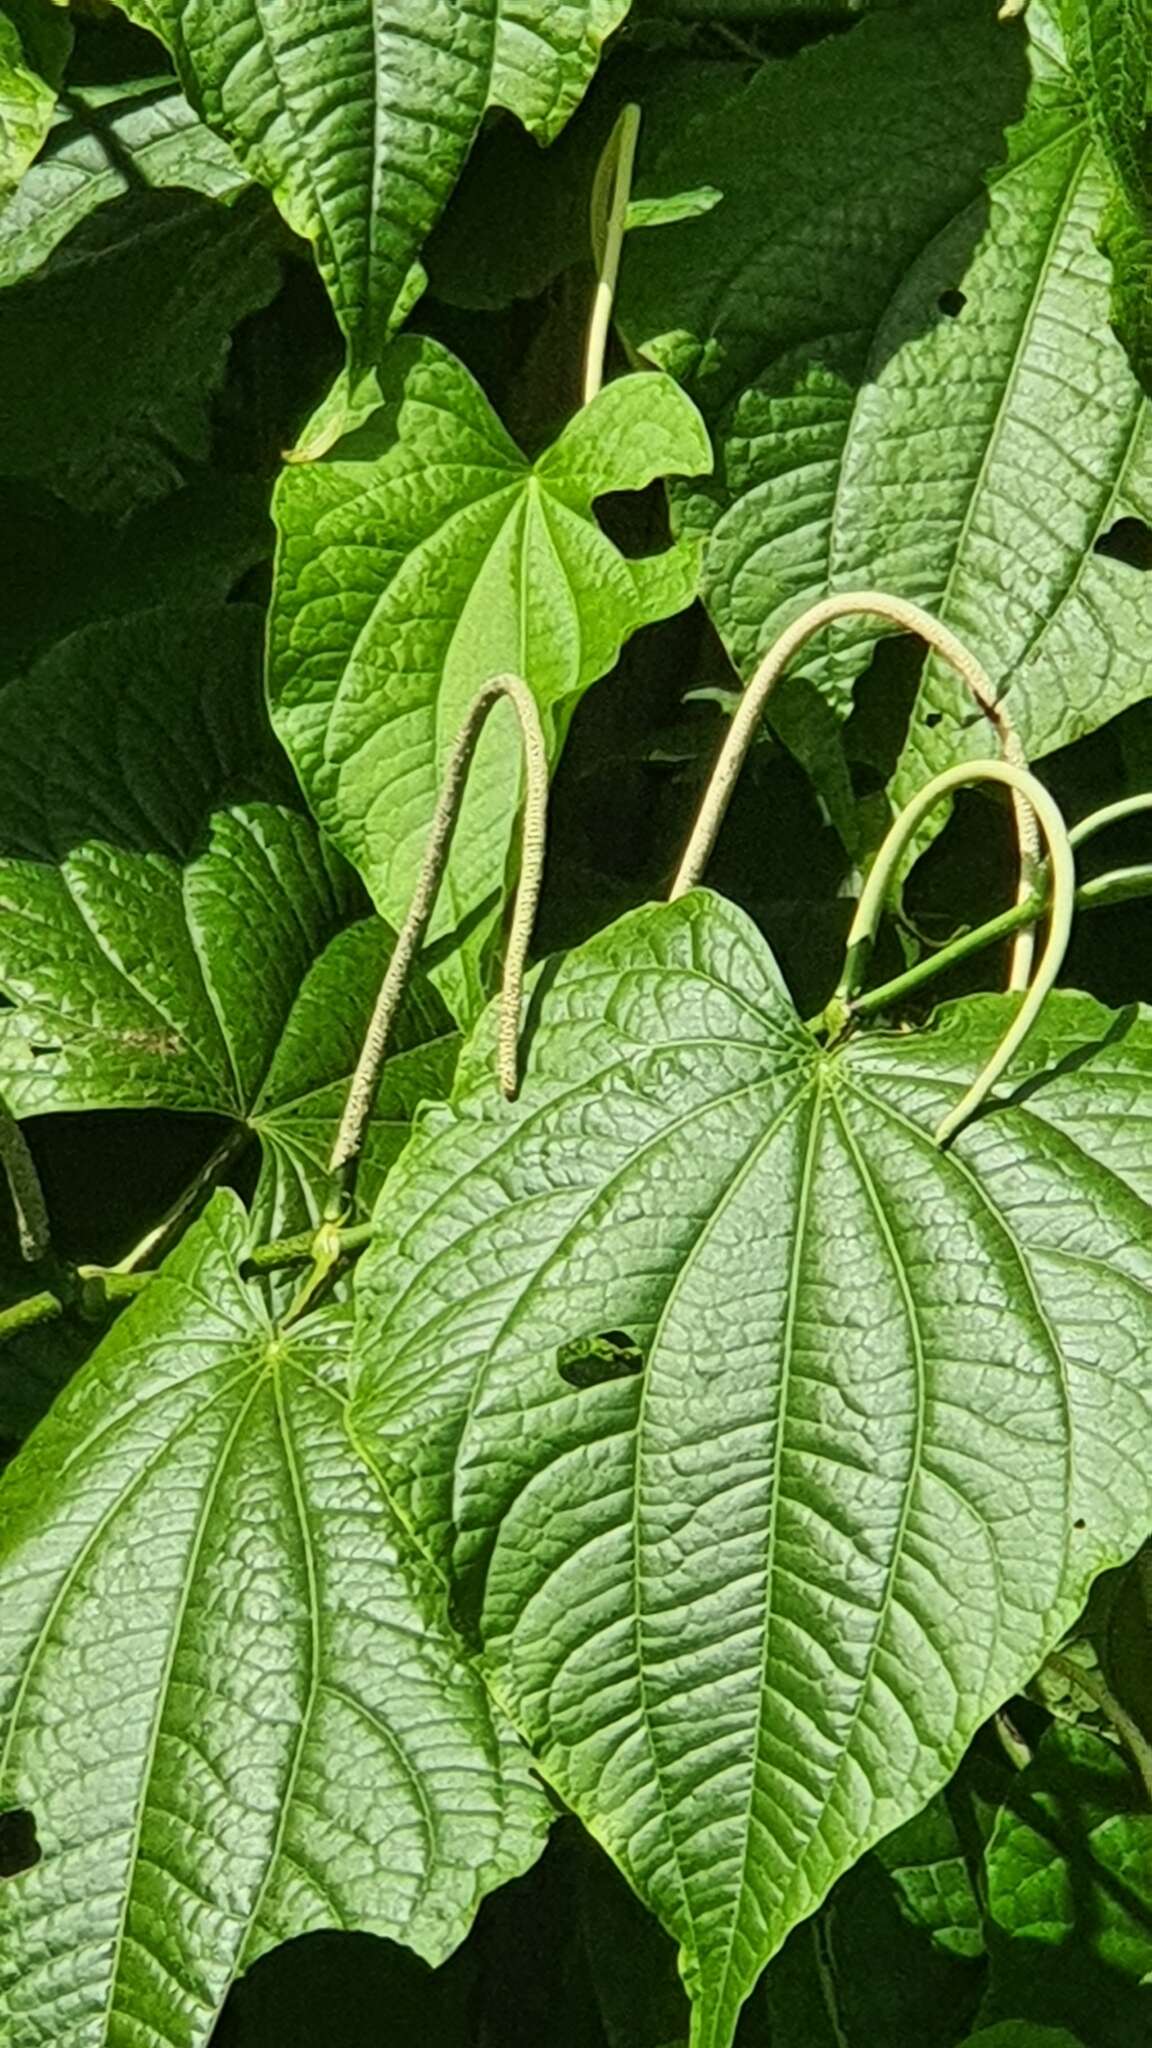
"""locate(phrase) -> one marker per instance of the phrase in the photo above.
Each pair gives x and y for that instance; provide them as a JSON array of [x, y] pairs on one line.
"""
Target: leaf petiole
[[1110, 814], [891, 992], [190, 1199], [98, 1290], [1119, 885]]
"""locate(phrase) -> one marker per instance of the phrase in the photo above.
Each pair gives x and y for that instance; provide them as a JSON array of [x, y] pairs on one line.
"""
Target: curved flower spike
[[362, 1092], [1062, 868], [911, 618]]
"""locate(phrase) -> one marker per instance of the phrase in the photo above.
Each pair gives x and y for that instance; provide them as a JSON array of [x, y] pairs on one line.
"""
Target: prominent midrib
[[454, 894], [247, 144], [295, 1477], [726, 2003], [1019, 355], [87, 1546], [199, 1537], [393, 704]]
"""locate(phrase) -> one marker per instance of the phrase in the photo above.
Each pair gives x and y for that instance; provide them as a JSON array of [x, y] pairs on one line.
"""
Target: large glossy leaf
[[227, 1699], [898, 321], [1110, 45], [770, 1447], [106, 140], [360, 118], [165, 948], [424, 554], [112, 352], [34, 45]]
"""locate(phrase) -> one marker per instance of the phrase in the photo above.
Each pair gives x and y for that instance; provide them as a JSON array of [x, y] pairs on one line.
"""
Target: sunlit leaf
[[104, 141], [1110, 45], [165, 948], [359, 119], [228, 1702], [897, 322], [750, 1604], [34, 43], [424, 554]]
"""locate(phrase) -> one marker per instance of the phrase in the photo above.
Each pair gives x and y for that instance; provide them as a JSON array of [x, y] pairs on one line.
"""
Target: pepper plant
[[575, 743]]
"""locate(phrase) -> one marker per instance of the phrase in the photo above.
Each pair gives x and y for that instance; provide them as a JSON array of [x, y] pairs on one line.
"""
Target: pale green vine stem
[[362, 1092], [1112, 814], [910, 618], [1062, 869], [19, 1169], [1119, 885], [620, 156]]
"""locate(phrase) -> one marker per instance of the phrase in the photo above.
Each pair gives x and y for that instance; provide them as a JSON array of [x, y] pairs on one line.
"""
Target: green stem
[[618, 163], [866, 923], [1130, 1732], [997, 928], [28, 1314], [187, 1201], [299, 1251], [89, 1291], [1111, 814], [93, 1291], [1120, 885]]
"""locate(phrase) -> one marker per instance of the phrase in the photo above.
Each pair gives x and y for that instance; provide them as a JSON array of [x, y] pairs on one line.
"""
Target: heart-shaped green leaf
[[750, 1603], [897, 322], [359, 118], [163, 948], [419, 557], [228, 1701]]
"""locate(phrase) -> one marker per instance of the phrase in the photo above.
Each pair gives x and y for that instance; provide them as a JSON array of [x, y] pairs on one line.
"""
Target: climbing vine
[[576, 1309]]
